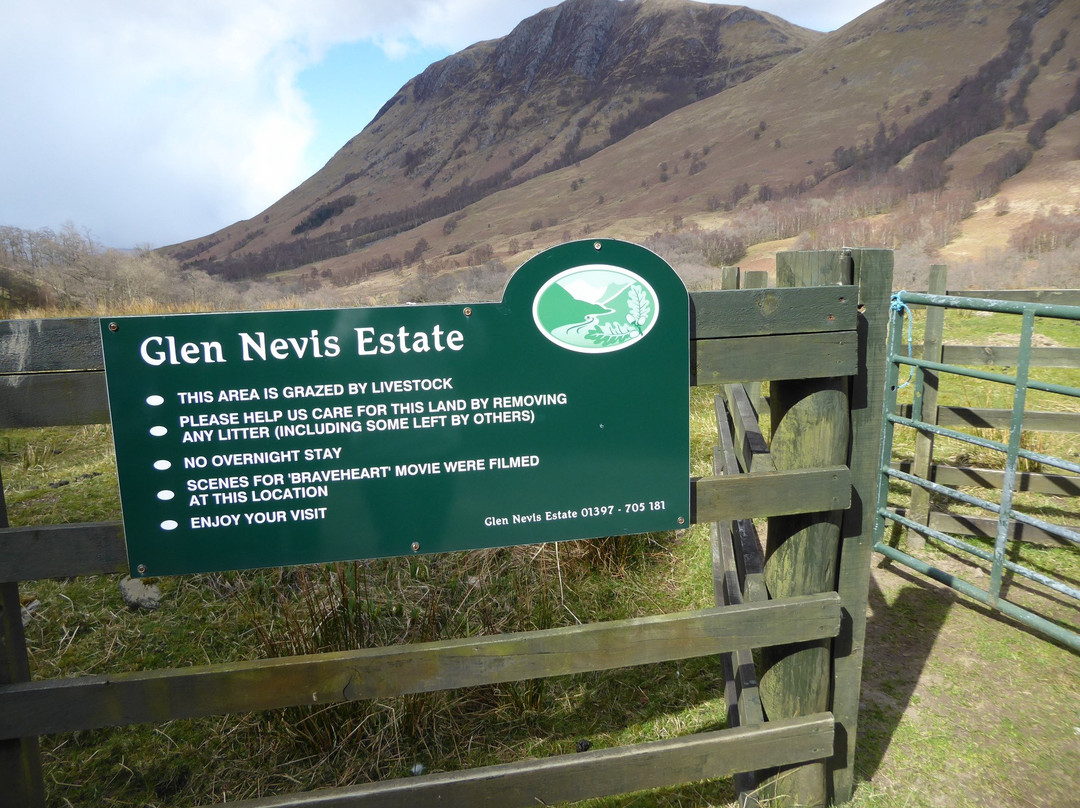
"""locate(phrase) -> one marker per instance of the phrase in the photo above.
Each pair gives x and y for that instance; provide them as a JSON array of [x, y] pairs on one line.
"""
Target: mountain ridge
[[899, 95], [561, 86]]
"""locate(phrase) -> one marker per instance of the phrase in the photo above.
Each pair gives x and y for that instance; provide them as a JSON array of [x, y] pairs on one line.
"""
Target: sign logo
[[596, 308]]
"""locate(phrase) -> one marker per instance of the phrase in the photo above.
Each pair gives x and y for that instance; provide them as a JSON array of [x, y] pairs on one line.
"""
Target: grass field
[[960, 707]]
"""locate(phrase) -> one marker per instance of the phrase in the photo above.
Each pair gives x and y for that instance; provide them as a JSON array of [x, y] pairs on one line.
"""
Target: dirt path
[[960, 706]]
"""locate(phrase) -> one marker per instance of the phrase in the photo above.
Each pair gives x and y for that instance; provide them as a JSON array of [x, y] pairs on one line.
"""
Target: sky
[[143, 124]]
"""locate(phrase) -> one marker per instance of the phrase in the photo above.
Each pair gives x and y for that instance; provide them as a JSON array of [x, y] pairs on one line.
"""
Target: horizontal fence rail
[[62, 551], [52, 371], [74, 344], [89, 702], [599, 773]]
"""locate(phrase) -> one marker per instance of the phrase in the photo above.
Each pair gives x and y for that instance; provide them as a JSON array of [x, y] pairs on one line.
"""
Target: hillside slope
[[563, 85], [914, 99]]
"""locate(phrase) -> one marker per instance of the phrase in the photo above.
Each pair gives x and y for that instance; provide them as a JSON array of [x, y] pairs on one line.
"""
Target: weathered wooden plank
[[716, 536], [982, 418], [742, 312], [53, 399], [758, 279], [67, 344], [724, 463], [755, 279], [769, 493], [751, 561], [740, 674], [727, 588], [1061, 485], [873, 274], [810, 428], [774, 358], [41, 345], [751, 447], [1008, 356], [20, 757], [744, 703], [1059, 297], [748, 558], [63, 705], [725, 459], [598, 773], [62, 551]]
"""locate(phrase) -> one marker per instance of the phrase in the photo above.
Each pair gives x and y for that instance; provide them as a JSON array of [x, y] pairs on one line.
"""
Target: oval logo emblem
[[596, 308]]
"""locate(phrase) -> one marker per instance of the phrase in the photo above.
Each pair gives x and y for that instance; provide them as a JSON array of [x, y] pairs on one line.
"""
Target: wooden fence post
[[21, 782], [924, 441], [873, 273], [810, 429], [755, 280]]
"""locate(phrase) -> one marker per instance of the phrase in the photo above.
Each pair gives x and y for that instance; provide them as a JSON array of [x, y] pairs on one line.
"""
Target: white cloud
[[153, 121], [161, 121]]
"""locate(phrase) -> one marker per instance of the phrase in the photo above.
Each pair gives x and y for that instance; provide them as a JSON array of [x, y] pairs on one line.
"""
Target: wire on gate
[[897, 305]]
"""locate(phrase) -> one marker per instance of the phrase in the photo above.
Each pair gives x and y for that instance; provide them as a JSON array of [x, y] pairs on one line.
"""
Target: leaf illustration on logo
[[611, 333], [640, 305]]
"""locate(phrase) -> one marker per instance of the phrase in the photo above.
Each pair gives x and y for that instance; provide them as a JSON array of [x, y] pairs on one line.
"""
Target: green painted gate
[[926, 376]]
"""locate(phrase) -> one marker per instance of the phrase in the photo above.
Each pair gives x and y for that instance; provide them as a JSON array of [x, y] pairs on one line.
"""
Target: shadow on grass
[[900, 636], [901, 633]]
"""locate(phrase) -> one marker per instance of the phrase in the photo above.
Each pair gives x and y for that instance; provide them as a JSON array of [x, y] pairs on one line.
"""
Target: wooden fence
[[803, 602]]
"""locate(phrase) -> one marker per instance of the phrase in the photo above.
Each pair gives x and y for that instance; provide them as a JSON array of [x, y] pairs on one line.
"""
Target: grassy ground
[[960, 707]]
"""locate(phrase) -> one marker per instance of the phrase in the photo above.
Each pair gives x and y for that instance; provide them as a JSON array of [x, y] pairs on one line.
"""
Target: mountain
[[623, 119], [563, 85]]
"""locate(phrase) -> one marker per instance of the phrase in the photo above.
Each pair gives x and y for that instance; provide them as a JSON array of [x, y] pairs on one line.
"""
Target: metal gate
[[924, 374]]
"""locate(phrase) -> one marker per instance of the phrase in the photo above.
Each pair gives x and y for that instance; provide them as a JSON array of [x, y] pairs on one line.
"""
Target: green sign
[[275, 438]]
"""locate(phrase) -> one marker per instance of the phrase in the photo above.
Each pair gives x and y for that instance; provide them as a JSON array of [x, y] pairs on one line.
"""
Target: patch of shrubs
[[324, 213]]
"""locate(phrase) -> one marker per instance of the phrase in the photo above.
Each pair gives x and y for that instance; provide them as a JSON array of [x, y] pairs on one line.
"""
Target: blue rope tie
[[900, 307]]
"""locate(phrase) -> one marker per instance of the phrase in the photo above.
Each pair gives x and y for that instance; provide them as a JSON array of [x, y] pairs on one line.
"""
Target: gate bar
[[986, 443], [959, 544], [1030, 619], [984, 375], [1005, 514], [969, 499], [1055, 310]]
